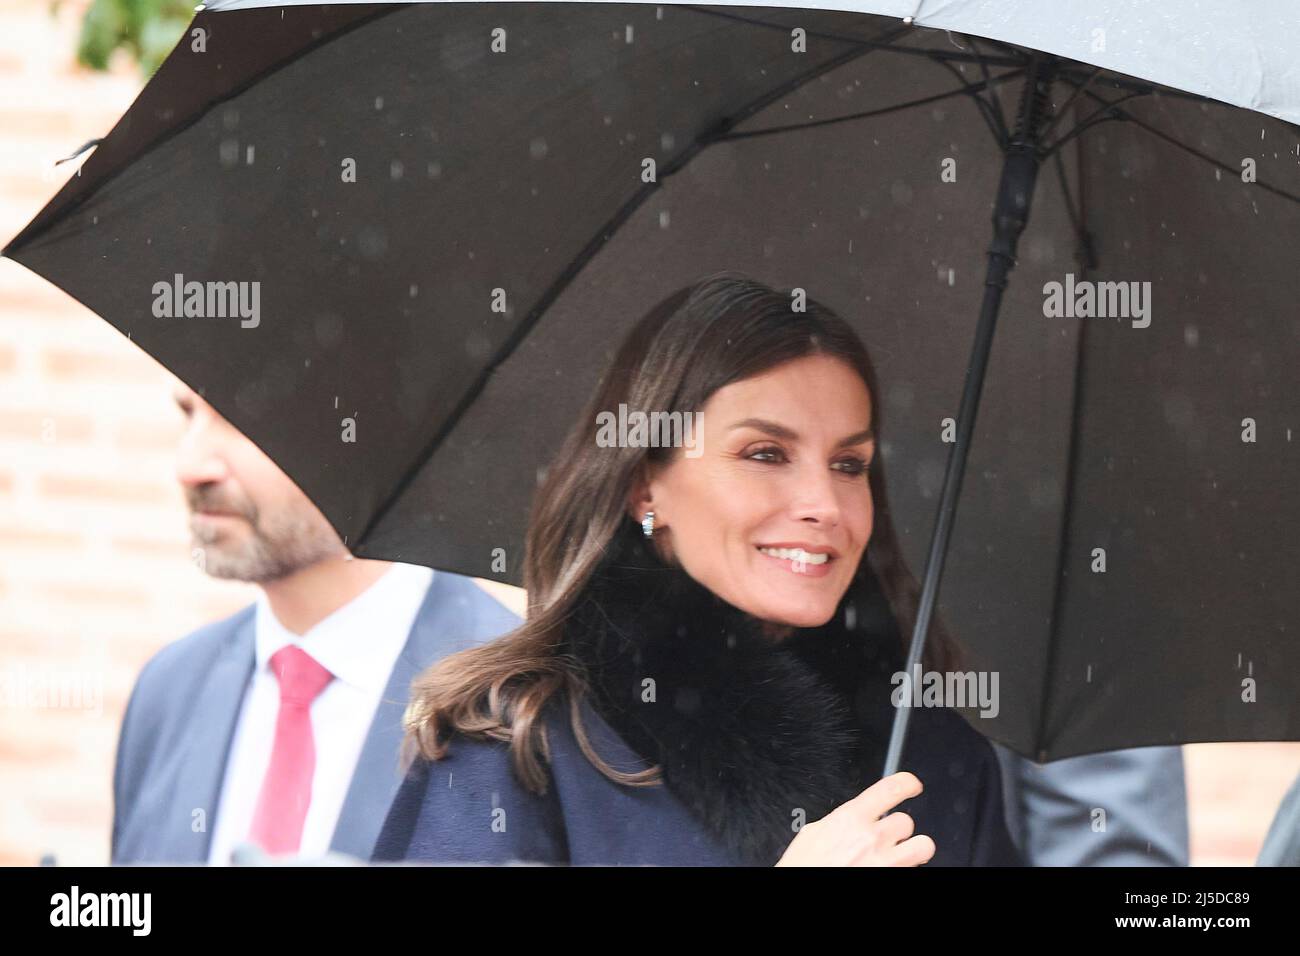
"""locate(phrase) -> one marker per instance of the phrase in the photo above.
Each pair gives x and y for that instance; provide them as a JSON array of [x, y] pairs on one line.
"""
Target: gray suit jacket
[[1282, 844], [1143, 791], [175, 737]]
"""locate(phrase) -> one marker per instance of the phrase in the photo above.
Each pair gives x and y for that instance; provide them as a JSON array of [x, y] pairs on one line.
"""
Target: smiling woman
[[782, 485], [703, 677]]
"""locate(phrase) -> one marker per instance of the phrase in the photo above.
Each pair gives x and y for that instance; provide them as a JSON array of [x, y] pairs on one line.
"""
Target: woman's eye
[[853, 466], [775, 453]]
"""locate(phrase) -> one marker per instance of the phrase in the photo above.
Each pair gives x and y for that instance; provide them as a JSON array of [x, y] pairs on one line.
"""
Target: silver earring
[[648, 524]]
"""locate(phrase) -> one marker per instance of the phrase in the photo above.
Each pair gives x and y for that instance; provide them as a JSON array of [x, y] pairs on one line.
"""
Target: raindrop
[[537, 148], [478, 346], [1044, 496], [1041, 249], [329, 329], [929, 476], [901, 193], [373, 242], [379, 102]]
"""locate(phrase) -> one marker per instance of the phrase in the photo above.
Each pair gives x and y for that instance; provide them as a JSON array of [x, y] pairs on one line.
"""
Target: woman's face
[[783, 467]]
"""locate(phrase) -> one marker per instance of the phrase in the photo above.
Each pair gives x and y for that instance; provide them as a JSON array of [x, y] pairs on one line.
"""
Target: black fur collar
[[748, 731]]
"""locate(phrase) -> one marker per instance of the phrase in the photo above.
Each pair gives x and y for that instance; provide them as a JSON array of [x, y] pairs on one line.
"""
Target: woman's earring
[[648, 524]]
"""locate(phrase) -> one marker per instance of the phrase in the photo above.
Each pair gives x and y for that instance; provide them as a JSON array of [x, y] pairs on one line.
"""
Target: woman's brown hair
[[724, 328]]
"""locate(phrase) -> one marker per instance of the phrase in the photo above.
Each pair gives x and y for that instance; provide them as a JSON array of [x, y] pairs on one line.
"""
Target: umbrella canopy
[[451, 229]]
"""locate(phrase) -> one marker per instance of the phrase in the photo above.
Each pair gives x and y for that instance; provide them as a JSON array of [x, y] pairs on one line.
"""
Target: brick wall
[[94, 570]]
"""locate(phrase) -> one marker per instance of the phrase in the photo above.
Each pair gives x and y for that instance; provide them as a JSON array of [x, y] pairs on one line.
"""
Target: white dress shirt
[[359, 644]]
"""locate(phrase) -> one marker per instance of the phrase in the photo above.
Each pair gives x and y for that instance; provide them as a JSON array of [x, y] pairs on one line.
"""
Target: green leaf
[[147, 29]]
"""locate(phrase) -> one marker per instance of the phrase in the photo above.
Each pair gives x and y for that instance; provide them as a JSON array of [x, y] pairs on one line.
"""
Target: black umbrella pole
[[1010, 214]]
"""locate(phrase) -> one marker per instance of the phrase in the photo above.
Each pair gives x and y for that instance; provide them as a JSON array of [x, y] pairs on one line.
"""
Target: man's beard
[[290, 539]]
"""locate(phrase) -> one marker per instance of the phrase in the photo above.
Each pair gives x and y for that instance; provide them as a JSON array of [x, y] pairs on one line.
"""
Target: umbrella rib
[[1071, 75], [994, 104], [991, 119], [1072, 449], [868, 114], [1092, 119], [1076, 216], [588, 252], [1175, 141], [1065, 107]]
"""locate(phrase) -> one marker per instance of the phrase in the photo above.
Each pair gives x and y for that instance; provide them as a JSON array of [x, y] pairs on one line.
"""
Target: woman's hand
[[853, 834]]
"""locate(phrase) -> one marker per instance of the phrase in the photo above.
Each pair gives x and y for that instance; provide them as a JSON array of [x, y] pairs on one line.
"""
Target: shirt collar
[[359, 642]]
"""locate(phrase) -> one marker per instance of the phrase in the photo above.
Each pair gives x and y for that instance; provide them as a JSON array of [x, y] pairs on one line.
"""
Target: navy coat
[[470, 808], [753, 737]]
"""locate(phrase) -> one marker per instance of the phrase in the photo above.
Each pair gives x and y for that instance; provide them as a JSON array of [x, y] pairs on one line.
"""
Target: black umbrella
[[455, 211]]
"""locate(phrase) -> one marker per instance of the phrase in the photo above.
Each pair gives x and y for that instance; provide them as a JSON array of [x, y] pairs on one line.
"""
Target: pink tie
[[286, 791]]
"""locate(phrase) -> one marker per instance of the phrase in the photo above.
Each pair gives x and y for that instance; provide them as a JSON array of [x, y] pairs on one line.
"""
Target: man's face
[[247, 517]]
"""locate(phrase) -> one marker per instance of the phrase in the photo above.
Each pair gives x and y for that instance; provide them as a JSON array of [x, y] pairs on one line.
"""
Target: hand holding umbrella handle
[[857, 832]]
